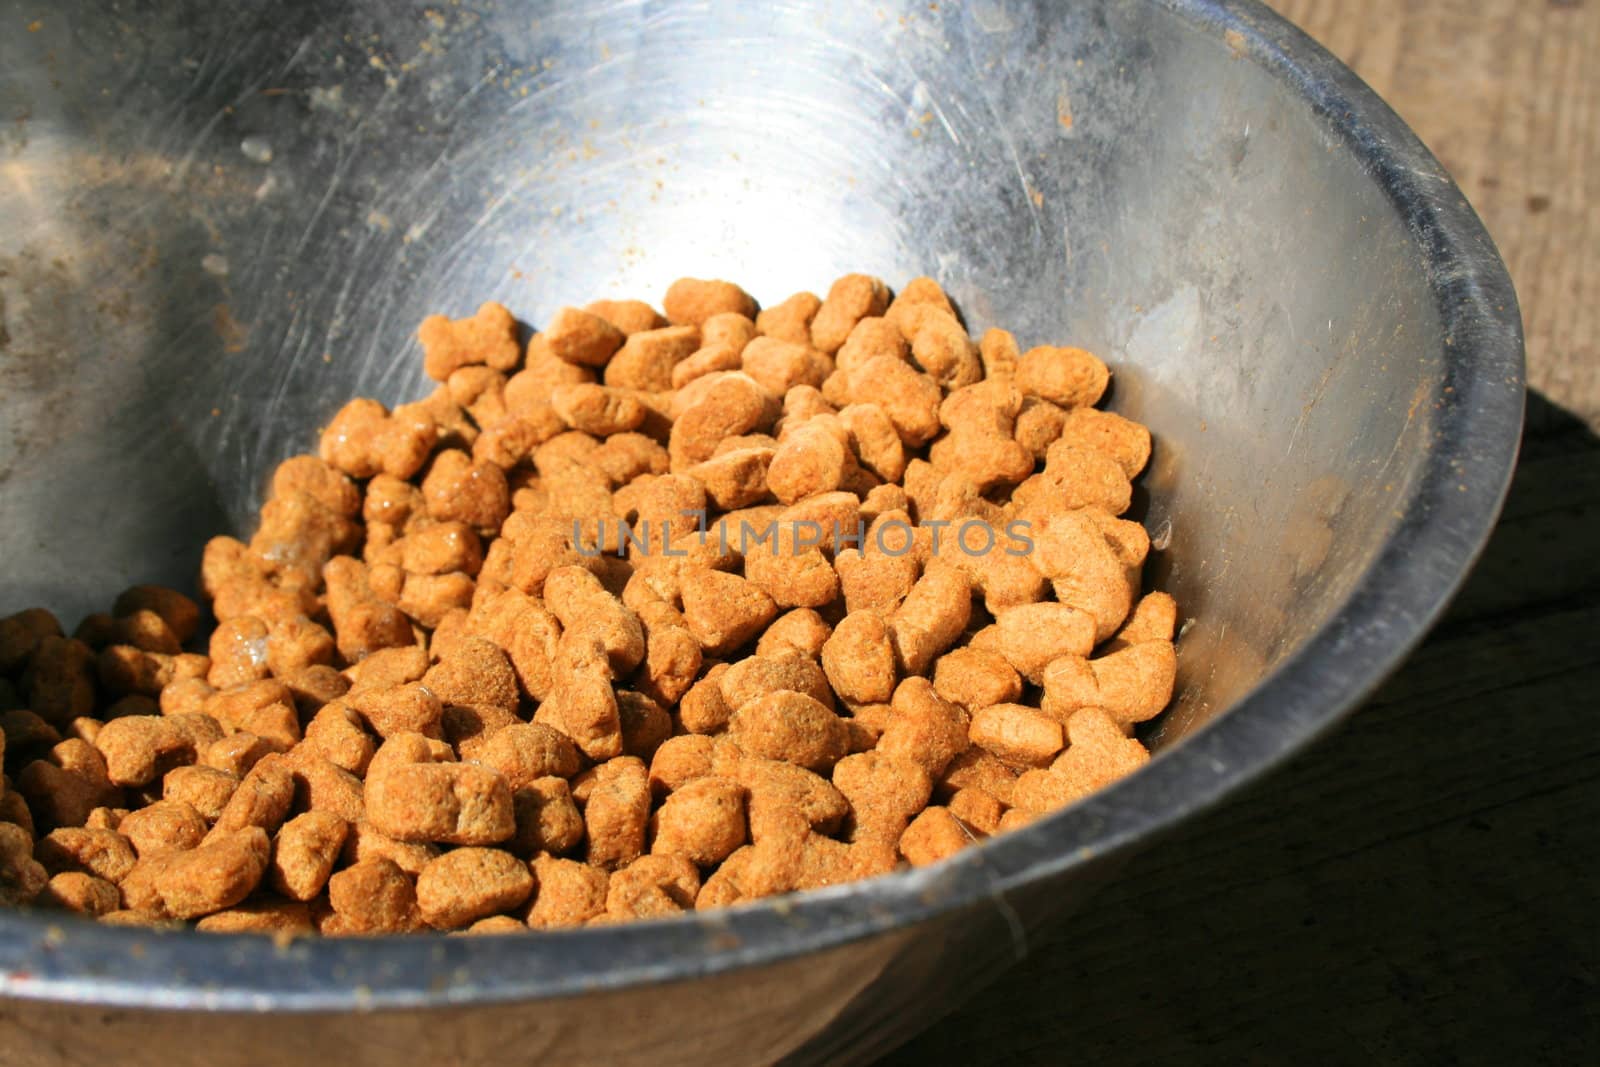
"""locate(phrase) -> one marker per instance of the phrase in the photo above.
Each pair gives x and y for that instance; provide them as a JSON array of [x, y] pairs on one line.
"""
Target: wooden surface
[[1423, 887]]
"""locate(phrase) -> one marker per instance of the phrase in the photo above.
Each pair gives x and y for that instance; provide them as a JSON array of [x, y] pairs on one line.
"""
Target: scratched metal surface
[[220, 221]]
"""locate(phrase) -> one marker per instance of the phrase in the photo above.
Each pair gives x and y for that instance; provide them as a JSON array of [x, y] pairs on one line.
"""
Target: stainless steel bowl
[[219, 220]]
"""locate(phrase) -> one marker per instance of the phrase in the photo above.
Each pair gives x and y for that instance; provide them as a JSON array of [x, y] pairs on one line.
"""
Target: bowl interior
[[221, 224]]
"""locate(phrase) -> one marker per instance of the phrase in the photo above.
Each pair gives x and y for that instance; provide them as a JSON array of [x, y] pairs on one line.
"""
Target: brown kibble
[[186, 696], [238, 651], [22, 729], [919, 293], [924, 728], [874, 580], [644, 723], [205, 789], [801, 630], [730, 329], [1069, 377], [478, 691], [488, 337], [999, 352], [263, 915], [792, 727], [703, 820], [910, 398], [615, 797], [788, 564], [264, 708], [237, 753], [859, 658], [79, 892], [875, 440], [456, 804], [1019, 735], [872, 337], [1154, 618], [884, 791], [940, 345], [59, 679], [646, 359], [933, 835], [526, 752], [364, 440], [652, 886], [1032, 635], [337, 734], [103, 853], [976, 678], [461, 489], [1097, 755], [583, 705], [779, 366], [139, 748], [304, 853], [494, 924], [353, 755], [1122, 439], [316, 687], [680, 760], [362, 622], [373, 897], [1072, 478], [1132, 685], [710, 358], [64, 787], [322, 786], [931, 618], [218, 874], [724, 611], [144, 630], [567, 893], [393, 709], [1038, 426], [703, 709], [850, 299], [977, 809], [791, 319], [363, 842], [262, 797], [582, 337], [1087, 571], [673, 656], [470, 883], [21, 634], [724, 406], [809, 461], [756, 676], [548, 819], [22, 878], [691, 301], [389, 667], [629, 316], [597, 409], [588, 611]]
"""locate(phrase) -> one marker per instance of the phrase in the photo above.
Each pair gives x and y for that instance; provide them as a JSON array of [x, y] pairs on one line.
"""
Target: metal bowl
[[219, 221]]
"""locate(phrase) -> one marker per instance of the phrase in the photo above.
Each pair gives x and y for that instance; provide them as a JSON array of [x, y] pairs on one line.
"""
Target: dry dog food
[[657, 611]]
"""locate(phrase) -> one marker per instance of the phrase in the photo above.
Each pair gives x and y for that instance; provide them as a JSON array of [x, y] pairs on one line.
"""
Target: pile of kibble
[[665, 612]]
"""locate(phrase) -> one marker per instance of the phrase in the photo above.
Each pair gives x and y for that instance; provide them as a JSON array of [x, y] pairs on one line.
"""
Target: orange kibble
[[648, 613]]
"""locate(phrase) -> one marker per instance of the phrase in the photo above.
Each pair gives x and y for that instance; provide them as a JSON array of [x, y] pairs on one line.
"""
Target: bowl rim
[[1439, 535]]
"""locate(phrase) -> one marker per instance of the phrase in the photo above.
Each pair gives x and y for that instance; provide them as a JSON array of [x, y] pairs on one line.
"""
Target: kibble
[[664, 610]]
